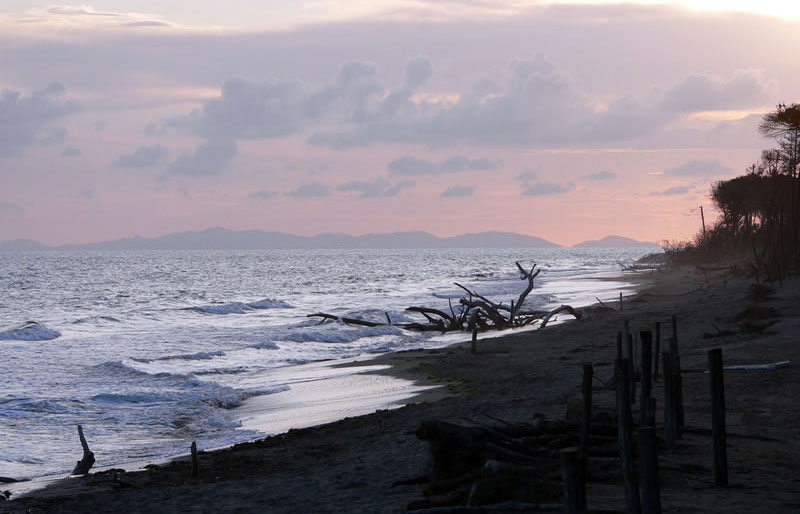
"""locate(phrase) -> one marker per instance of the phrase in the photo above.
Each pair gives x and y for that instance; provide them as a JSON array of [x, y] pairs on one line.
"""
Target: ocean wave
[[29, 331], [339, 333], [27, 407], [240, 307], [199, 356], [96, 319]]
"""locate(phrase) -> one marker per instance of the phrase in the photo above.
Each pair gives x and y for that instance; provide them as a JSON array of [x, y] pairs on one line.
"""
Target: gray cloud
[[746, 88], [88, 194], [672, 191], [380, 187], [600, 175], [527, 176], [25, 120], [547, 188], [699, 168], [312, 190], [142, 157], [407, 165], [457, 191], [261, 195], [11, 208], [70, 151], [210, 158]]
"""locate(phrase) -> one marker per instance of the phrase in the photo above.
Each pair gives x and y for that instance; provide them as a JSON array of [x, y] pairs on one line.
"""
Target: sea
[[150, 350]]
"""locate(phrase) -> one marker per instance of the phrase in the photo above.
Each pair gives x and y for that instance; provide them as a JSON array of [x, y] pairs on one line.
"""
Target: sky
[[564, 120]]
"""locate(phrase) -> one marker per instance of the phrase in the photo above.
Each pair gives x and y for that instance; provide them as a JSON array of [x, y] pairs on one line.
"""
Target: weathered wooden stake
[[669, 410], [621, 369], [648, 467], [657, 351], [574, 482], [586, 414], [645, 339], [621, 305], [676, 370], [718, 417], [652, 405], [474, 346], [619, 345], [631, 369], [83, 466], [194, 459]]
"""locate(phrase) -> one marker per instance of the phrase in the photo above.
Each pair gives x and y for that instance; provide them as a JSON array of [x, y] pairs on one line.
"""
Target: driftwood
[[85, 464], [474, 312], [563, 308]]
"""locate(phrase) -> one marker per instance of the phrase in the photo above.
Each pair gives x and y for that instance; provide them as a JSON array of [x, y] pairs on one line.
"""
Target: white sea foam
[[241, 307]]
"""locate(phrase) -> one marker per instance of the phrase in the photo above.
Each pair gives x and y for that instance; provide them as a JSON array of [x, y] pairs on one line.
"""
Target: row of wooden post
[[642, 493]]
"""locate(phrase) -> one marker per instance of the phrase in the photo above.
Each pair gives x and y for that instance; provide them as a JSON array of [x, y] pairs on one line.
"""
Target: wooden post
[[718, 417], [652, 405], [621, 369], [657, 351], [619, 345], [83, 466], [648, 467], [586, 414], [574, 482], [621, 305], [474, 345], [645, 339], [631, 369], [669, 424], [676, 370], [194, 459]]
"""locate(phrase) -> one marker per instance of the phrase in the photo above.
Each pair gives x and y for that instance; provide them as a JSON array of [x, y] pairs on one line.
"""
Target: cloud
[[527, 176], [210, 158], [381, 187], [25, 120], [600, 175], [672, 191], [142, 157], [11, 208], [74, 16], [699, 168], [745, 88], [88, 194], [457, 191], [261, 195], [547, 188], [407, 165], [538, 105], [312, 190], [70, 151]]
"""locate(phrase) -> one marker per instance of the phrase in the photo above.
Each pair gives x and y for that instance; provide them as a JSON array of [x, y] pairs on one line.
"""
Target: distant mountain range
[[616, 242], [218, 238]]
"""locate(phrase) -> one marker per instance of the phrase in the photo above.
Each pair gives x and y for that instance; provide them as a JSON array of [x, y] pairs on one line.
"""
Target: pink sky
[[564, 122]]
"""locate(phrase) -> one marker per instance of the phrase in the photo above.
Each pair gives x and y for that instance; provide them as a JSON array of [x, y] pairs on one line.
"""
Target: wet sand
[[351, 464]]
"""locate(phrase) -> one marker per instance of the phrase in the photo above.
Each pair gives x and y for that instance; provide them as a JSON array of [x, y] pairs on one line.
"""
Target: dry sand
[[350, 465]]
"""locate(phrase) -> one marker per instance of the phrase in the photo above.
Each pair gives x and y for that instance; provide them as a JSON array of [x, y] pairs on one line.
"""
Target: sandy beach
[[351, 465]]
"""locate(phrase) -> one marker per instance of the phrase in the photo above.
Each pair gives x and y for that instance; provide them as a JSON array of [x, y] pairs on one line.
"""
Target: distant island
[[616, 242], [218, 238]]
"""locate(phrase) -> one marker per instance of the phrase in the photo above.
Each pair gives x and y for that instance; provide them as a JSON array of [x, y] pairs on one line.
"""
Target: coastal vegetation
[[759, 210]]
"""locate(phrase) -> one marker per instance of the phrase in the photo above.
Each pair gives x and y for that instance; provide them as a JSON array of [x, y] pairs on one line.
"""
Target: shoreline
[[351, 463]]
